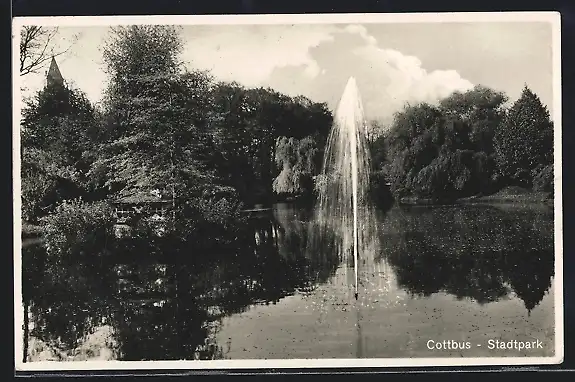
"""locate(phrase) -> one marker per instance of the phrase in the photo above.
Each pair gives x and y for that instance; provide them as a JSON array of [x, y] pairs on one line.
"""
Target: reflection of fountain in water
[[343, 208]]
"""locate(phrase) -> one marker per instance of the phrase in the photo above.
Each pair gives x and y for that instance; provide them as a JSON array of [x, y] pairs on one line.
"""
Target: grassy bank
[[511, 195], [506, 195]]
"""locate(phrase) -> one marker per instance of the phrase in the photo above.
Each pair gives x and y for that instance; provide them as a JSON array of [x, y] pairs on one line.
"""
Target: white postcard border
[[357, 18]]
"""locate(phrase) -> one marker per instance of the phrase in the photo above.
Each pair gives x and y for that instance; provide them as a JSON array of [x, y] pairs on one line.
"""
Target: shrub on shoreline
[[77, 231], [543, 180]]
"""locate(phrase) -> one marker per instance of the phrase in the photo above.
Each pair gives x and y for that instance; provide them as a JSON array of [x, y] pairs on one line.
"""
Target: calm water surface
[[463, 273]]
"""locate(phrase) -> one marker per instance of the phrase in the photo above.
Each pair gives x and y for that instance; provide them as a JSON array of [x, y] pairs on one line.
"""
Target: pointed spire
[[54, 76]]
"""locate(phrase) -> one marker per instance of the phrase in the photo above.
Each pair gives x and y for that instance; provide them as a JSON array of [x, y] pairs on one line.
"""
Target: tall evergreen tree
[[155, 114], [524, 143]]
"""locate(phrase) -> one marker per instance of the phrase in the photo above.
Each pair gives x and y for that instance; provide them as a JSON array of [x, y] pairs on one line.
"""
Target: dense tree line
[[213, 147], [253, 128], [469, 144], [210, 146]]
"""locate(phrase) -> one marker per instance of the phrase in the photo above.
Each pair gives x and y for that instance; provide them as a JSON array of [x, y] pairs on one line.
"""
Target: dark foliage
[[467, 145]]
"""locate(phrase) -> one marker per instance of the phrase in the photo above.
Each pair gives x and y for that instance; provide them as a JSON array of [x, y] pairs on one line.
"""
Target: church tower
[[54, 76]]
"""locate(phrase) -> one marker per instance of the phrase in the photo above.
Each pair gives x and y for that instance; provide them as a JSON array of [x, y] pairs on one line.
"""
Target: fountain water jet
[[343, 204]]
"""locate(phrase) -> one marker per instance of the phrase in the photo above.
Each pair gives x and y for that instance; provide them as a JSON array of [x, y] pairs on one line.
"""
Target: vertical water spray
[[343, 205], [354, 200]]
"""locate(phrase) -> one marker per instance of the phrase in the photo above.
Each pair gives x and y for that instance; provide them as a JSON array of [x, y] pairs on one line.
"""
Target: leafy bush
[[46, 180], [34, 188], [77, 231], [220, 213], [543, 181]]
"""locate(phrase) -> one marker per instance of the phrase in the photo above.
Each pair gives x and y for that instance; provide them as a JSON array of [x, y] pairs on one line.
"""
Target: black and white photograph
[[287, 191]]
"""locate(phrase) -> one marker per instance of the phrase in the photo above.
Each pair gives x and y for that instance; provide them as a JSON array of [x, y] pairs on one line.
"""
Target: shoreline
[[32, 233], [529, 198]]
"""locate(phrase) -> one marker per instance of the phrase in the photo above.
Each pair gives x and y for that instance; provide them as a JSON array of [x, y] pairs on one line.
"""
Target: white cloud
[[360, 30], [387, 78], [407, 80], [249, 54]]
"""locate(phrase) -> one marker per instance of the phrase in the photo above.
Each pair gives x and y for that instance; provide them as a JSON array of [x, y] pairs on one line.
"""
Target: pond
[[443, 273]]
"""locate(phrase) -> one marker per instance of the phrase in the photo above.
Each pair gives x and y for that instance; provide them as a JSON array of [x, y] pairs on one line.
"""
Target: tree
[[60, 119], [140, 50], [159, 133], [375, 129], [444, 151], [57, 130], [37, 46], [409, 145], [241, 137], [524, 143], [479, 111], [249, 124], [155, 122], [297, 159]]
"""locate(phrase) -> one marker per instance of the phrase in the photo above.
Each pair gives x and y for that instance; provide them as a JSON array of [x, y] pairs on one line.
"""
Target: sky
[[393, 63]]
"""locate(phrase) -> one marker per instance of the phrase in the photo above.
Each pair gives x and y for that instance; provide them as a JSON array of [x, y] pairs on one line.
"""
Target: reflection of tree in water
[[213, 285], [424, 268], [272, 269], [170, 310], [63, 302], [529, 266], [304, 241], [476, 253], [164, 329]]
